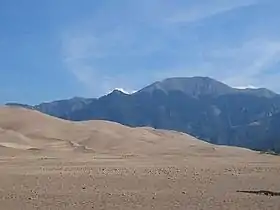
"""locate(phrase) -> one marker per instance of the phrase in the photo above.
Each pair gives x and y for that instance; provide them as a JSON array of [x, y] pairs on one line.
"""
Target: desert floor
[[48, 163], [104, 182]]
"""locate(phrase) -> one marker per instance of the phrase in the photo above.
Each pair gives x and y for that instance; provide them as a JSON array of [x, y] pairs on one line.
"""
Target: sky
[[59, 49]]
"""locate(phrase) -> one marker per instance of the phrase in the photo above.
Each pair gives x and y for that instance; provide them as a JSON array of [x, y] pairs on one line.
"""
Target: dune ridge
[[25, 129]]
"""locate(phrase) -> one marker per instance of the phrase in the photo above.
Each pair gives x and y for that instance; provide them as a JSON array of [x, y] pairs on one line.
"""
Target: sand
[[49, 163]]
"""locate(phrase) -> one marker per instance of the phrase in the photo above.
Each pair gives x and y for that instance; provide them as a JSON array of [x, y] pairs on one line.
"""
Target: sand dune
[[49, 163], [24, 129]]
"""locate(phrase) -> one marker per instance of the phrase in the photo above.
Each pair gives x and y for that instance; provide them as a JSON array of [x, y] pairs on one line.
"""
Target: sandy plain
[[49, 163]]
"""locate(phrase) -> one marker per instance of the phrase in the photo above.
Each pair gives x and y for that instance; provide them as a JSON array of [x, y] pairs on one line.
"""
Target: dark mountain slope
[[64, 108], [261, 135]]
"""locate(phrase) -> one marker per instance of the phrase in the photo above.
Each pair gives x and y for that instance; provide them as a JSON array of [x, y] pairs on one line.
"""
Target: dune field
[[49, 163]]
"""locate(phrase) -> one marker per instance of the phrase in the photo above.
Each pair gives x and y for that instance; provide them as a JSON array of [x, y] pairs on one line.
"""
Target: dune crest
[[28, 129]]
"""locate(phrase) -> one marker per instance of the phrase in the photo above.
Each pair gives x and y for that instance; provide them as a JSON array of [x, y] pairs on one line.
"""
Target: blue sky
[[58, 49]]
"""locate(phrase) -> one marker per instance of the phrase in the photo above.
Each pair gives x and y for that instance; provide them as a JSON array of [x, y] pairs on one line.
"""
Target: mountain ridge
[[200, 106], [197, 86]]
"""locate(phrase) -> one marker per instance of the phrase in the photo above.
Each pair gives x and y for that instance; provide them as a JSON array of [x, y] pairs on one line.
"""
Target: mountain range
[[200, 106]]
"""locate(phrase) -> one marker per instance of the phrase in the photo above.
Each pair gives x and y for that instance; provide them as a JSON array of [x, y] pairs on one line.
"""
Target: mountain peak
[[116, 92], [120, 91], [192, 86]]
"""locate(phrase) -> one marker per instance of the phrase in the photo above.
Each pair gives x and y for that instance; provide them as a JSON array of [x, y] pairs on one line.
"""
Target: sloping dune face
[[25, 129], [31, 129]]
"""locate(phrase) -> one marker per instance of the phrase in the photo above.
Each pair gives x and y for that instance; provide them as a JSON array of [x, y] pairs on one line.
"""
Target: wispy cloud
[[207, 9], [114, 51], [76, 52], [81, 55], [251, 64], [248, 64]]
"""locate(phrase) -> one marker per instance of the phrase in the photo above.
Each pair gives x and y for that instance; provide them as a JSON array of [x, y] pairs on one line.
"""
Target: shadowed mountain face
[[200, 106]]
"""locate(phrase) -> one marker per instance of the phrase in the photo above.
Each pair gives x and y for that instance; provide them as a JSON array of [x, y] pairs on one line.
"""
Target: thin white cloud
[[245, 66], [124, 45], [207, 9], [250, 62], [81, 55], [75, 51]]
